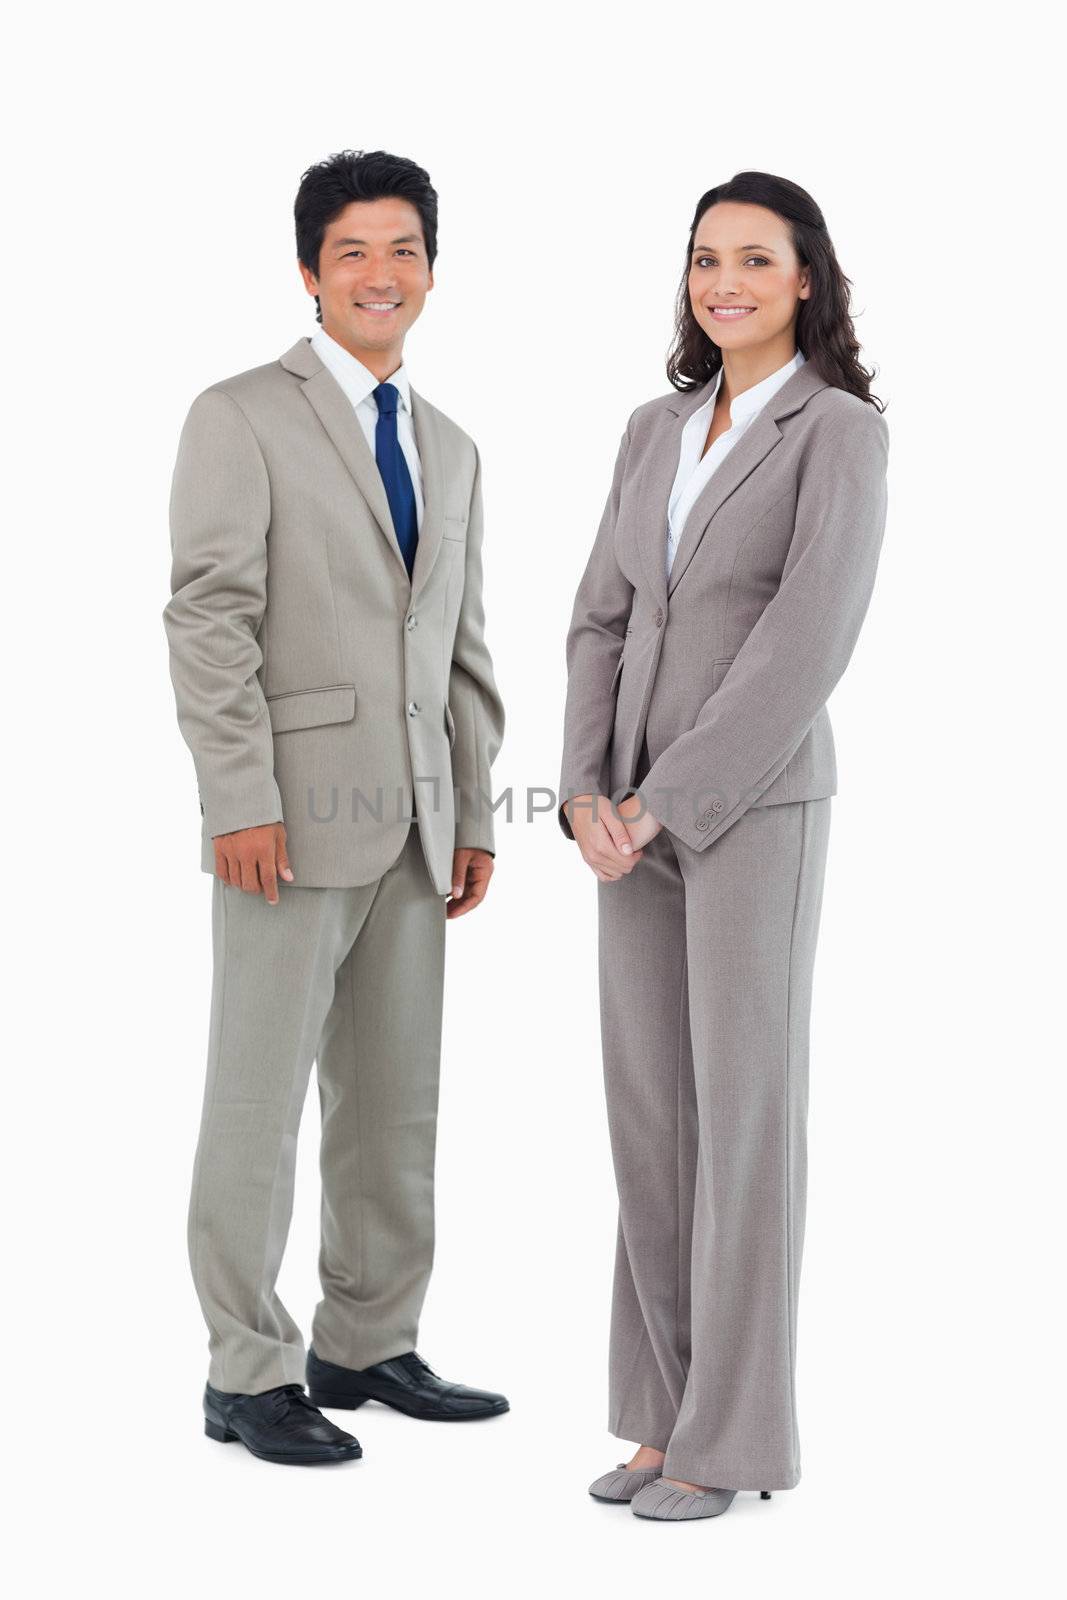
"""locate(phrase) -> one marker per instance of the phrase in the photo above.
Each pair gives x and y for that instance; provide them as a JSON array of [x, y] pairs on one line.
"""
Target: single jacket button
[[413, 622], [659, 617], [717, 806], [413, 708]]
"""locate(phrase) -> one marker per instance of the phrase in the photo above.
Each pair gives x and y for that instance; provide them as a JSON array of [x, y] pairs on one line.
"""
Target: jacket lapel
[[657, 481], [754, 446], [334, 411], [431, 458]]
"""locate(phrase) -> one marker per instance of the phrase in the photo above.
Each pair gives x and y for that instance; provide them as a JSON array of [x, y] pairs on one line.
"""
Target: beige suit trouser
[[351, 978], [706, 963]]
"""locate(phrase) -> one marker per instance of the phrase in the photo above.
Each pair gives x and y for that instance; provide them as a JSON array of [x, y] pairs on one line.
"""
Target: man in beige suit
[[327, 651]]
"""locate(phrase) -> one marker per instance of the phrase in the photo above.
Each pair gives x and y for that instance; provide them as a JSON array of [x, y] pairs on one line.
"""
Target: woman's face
[[745, 281]]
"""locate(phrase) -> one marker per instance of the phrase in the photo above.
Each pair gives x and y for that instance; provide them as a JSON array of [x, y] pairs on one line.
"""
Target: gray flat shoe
[[622, 1484], [662, 1502]]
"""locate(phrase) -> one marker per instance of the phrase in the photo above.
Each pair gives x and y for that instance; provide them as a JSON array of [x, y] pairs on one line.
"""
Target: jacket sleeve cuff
[[254, 808], [696, 819]]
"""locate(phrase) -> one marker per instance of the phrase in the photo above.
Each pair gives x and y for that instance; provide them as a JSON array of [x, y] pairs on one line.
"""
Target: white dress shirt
[[693, 469], [359, 384]]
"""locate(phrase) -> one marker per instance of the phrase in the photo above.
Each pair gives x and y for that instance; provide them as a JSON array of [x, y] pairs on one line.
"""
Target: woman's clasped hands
[[611, 838]]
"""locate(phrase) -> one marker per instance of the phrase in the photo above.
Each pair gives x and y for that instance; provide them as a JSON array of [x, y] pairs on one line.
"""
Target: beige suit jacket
[[315, 683], [726, 668]]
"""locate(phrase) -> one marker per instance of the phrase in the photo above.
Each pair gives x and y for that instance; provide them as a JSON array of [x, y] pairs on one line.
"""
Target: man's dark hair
[[330, 185]]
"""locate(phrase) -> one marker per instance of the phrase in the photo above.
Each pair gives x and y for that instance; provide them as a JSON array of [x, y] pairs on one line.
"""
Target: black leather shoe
[[404, 1382], [280, 1425]]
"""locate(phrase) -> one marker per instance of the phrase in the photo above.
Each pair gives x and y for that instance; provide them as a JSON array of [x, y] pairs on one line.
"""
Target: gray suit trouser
[[351, 978], [706, 962]]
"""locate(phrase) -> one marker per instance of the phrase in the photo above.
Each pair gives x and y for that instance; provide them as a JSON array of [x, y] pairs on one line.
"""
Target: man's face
[[373, 276]]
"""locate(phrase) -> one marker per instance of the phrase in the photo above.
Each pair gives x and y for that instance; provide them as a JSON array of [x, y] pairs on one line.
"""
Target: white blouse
[[693, 470]]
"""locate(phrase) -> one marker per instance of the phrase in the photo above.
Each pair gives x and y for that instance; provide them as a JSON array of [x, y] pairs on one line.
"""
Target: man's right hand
[[601, 836], [252, 858]]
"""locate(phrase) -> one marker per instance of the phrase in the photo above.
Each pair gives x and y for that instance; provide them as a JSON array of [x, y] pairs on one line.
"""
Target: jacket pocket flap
[[719, 669], [311, 708]]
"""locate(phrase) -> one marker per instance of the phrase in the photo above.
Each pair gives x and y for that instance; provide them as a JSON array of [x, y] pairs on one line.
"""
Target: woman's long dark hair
[[824, 333]]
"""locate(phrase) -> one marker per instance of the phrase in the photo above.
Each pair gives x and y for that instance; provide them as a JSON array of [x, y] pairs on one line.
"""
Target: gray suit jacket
[[315, 684], [726, 670]]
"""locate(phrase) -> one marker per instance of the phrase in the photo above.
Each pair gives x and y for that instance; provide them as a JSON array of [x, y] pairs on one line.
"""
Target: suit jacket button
[[413, 708], [717, 805], [413, 622], [659, 617], [703, 824]]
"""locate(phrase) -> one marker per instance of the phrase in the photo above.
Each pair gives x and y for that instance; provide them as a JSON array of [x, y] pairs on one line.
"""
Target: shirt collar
[[745, 405], [357, 381]]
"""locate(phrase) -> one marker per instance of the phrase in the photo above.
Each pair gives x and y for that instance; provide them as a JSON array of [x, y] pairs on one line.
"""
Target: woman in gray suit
[[720, 605]]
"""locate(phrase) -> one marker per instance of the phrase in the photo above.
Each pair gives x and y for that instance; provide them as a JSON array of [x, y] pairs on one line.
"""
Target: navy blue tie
[[399, 489]]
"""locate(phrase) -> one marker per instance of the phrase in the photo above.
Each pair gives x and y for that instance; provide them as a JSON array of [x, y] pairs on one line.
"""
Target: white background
[[153, 160]]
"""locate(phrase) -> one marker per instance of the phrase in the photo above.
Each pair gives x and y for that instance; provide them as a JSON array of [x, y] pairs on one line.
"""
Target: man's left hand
[[471, 871]]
